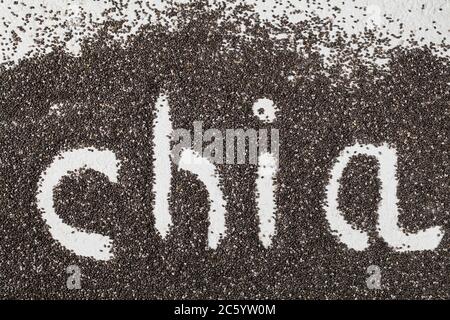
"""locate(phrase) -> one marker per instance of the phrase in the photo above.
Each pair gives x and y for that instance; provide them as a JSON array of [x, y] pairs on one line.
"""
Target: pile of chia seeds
[[212, 69]]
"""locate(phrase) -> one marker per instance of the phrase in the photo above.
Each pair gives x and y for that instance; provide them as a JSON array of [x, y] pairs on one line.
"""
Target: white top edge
[[427, 20]]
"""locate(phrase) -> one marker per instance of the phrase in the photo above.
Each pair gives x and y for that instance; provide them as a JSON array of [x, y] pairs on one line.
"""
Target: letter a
[[387, 210]]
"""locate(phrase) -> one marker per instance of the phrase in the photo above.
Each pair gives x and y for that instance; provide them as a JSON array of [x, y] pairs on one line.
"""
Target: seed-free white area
[[265, 197], [162, 166], [388, 226], [80, 242], [264, 109], [206, 173]]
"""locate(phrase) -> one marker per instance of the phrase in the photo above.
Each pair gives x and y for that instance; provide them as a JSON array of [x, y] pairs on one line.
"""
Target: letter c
[[80, 242]]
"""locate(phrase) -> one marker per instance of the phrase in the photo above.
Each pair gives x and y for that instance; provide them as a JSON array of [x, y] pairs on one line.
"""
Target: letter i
[[264, 109]]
